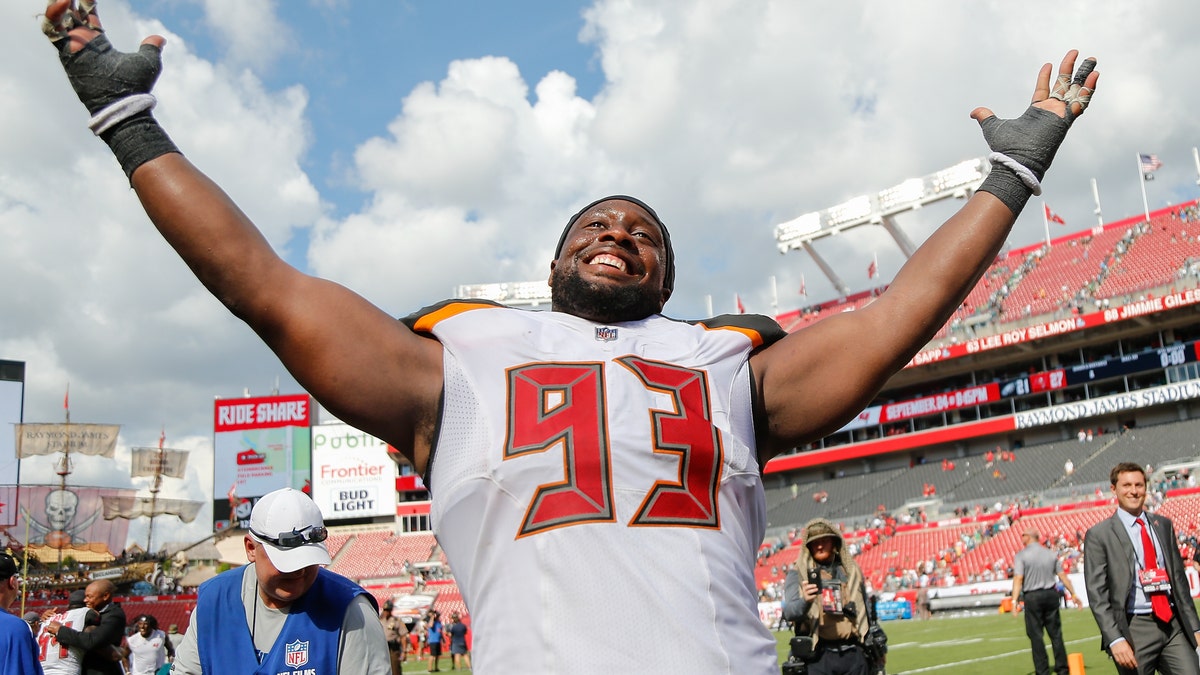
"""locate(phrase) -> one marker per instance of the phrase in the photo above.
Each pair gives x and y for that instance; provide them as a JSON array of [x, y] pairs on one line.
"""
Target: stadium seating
[[1158, 257], [168, 610], [794, 321], [382, 554], [1057, 274], [1030, 475]]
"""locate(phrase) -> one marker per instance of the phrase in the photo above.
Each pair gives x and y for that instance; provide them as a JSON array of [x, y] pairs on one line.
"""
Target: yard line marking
[[981, 659]]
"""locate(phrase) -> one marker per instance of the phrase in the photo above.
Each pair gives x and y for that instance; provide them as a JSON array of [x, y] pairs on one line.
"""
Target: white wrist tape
[[119, 111], [1022, 172]]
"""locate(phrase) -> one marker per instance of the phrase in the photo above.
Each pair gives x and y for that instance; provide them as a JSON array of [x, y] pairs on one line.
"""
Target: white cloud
[[252, 33], [93, 296], [728, 117]]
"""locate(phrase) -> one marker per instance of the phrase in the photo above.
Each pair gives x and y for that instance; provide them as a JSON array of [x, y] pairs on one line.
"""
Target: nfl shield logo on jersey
[[606, 334], [296, 654]]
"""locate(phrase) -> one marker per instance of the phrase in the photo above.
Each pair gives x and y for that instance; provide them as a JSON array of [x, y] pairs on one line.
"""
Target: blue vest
[[307, 643]]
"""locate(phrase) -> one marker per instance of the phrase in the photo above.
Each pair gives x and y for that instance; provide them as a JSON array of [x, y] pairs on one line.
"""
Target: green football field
[[994, 644]]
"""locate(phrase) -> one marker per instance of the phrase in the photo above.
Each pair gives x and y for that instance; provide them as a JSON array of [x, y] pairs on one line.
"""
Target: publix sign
[[352, 475]]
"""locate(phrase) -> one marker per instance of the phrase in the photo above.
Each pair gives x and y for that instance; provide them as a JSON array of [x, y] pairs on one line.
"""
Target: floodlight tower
[[513, 293], [958, 181]]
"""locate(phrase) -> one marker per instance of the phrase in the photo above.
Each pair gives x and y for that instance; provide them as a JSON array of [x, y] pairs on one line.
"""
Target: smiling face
[[1130, 491], [612, 265]]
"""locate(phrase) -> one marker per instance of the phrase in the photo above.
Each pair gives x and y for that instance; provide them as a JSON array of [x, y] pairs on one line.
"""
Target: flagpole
[[1096, 196], [64, 469], [774, 296], [1196, 159], [1046, 222], [154, 488], [708, 304], [1142, 179]]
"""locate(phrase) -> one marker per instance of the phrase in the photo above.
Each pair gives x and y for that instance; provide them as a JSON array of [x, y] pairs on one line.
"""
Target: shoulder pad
[[762, 330], [424, 319]]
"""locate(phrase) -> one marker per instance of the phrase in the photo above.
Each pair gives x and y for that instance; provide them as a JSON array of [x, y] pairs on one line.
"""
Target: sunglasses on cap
[[295, 538]]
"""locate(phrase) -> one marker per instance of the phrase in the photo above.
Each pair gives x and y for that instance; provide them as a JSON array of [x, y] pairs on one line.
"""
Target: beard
[[603, 304]]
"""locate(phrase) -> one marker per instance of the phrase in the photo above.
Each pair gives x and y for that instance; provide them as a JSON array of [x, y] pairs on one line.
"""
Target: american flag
[[1149, 163]]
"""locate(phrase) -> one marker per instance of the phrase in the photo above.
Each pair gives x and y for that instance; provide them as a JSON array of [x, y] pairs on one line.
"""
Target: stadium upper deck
[[1095, 329]]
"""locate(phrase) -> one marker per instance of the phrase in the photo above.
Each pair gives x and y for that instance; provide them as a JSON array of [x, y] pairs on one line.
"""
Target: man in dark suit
[[1136, 585], [101, 645]]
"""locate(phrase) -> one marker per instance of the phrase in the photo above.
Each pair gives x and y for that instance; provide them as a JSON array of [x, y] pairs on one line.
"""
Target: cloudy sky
[[405, 148]]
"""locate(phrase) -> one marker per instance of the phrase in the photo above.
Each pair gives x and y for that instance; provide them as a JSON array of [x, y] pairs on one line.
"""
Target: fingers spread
[[74, 18], [1068, 63], [55, 19], [1085, 69], [1075, 92], [1042, 90]]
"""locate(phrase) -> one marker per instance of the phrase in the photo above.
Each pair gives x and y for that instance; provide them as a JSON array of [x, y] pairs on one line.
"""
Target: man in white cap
[[298, 615]]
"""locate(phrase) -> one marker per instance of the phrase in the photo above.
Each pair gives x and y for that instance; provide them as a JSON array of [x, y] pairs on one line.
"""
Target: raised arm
[[359, 362], [815, 380]]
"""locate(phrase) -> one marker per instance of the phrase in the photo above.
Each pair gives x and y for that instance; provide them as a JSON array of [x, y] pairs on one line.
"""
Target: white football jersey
[[601, 509], [146, 655], [57, 659]]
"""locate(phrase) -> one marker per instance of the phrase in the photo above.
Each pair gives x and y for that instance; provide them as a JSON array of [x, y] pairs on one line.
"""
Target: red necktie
[[1158, 601]]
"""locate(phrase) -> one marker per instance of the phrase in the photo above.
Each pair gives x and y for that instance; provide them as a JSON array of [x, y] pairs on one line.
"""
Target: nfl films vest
[[307, 644]]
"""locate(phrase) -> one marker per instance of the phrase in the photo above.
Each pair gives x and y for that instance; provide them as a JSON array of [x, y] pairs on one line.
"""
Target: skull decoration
[[61, 506]]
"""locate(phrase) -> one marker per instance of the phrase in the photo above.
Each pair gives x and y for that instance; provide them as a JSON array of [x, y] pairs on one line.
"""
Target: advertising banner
[[928, 405], [353, 476], [1105, 405], [259, 445], [69, 519]]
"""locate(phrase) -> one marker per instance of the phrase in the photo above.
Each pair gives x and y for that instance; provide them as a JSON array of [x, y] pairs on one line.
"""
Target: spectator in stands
[[825, 597], [283, 607], [18, 651], [457, 631], [396, 634], [429, 385], [148, 648], [1136, 584], [1036, 573], [101, 646]]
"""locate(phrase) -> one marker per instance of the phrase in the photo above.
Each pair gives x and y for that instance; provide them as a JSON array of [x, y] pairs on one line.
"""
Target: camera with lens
[[875, 641], [801, 653]]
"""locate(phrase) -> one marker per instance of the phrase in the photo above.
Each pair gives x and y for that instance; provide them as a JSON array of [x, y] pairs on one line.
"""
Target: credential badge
[[296, 654], [606, 333]]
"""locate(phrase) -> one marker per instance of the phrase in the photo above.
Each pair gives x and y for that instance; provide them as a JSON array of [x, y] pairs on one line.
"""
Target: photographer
[[825, 598]]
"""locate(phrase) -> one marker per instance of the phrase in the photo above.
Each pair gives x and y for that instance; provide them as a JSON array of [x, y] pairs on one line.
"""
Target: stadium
[[1070, 355]]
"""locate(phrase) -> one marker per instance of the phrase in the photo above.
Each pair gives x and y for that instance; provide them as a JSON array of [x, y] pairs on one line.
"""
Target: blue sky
[[404, 148]]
